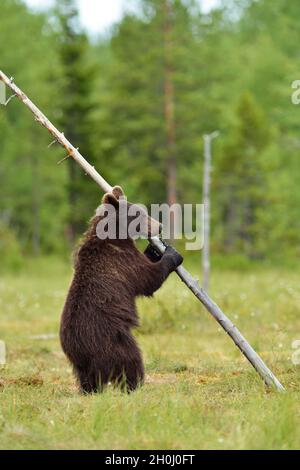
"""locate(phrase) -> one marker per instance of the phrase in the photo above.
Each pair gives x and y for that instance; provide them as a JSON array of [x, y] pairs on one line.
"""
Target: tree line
[[137, 102]]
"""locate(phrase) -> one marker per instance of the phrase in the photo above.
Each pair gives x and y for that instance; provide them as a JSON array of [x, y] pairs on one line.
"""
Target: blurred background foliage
[[137, 102]]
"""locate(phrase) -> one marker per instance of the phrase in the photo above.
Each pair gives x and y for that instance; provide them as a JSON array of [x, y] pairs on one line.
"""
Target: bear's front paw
[[176, 257]]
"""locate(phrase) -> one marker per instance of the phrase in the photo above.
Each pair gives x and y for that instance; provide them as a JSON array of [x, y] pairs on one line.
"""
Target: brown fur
[[100, 309]]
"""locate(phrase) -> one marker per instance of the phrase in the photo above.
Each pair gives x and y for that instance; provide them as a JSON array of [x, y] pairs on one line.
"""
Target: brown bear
[[100, 310]]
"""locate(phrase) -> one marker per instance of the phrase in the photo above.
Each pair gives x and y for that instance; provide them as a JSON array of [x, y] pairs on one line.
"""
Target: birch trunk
[[206, 201]]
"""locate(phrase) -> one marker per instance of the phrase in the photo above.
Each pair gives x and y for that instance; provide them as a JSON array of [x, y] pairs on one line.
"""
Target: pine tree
[[153, 101], [242, 180], [76, 109], [31, 188]]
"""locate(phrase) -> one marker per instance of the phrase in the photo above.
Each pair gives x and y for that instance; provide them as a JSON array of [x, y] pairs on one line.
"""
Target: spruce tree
[[77, 105]]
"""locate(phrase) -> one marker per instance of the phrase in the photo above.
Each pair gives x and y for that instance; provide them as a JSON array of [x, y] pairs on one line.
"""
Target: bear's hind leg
[[134, 374], [131, 374], [88, 380]]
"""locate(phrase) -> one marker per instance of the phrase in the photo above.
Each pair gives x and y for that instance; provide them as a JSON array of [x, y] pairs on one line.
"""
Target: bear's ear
[[117, 192], [109, 198]]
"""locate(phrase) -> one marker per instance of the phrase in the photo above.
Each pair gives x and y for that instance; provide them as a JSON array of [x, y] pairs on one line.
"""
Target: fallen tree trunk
[[258, 364]]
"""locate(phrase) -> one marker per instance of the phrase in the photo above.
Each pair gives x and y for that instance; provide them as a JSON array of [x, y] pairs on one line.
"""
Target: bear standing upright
[[100, 310]]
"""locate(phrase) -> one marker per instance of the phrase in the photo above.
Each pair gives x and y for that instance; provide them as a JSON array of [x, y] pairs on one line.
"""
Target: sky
[[98, 15]]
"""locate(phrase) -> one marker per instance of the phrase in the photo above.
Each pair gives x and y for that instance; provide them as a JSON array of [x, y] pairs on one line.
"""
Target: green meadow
[[200, 392]]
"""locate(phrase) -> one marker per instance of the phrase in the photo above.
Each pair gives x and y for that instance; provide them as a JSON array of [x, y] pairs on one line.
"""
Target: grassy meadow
[[200, 392]]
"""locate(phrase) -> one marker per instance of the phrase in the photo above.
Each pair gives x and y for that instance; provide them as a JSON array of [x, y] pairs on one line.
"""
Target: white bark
[[59, 136], [206, 202], [184, 275]]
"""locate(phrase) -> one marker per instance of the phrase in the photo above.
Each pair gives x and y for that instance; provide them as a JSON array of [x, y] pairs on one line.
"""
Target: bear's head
[[120, 219]]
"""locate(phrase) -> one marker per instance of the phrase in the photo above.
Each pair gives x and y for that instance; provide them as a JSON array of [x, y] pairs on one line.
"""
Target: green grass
[[200, 392]]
